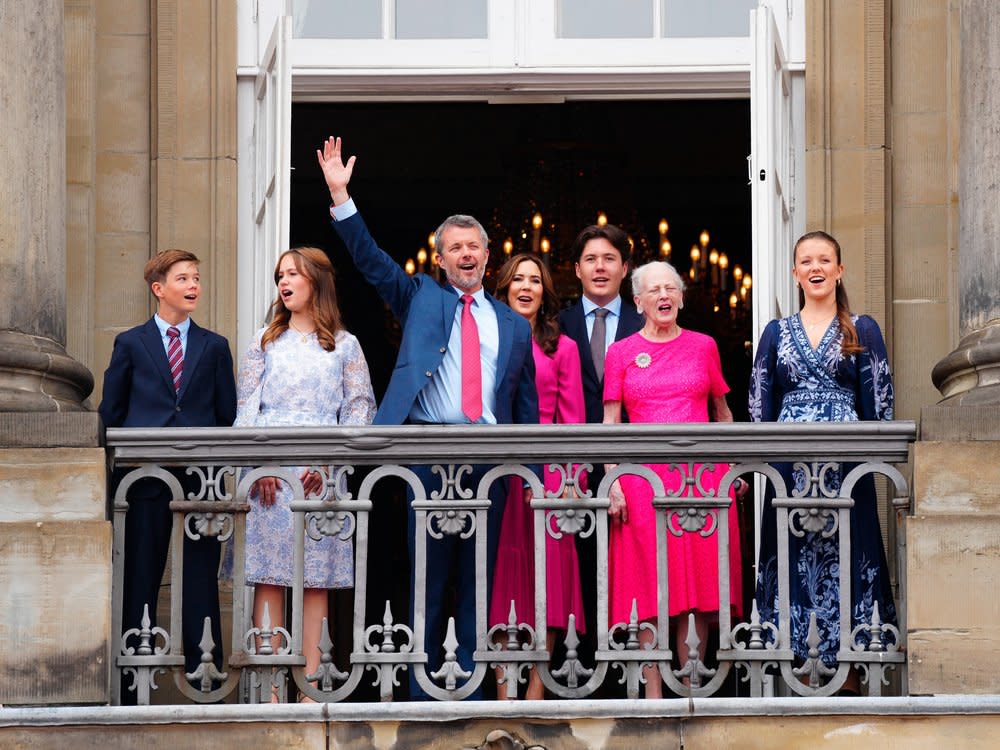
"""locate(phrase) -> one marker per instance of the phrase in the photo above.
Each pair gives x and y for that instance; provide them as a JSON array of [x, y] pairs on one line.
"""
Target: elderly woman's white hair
[[639, 275]]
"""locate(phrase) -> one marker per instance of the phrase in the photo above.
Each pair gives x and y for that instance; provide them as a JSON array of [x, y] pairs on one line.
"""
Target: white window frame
[[498, 83]]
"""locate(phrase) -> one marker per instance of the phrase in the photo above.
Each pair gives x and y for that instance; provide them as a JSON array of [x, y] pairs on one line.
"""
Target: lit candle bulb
[[432, 241], [664, 227], [545, 246], [536, 232], [602, 218], [508, 246], [665, 248], [723, 271], [713, 258], [738, 275], [733, 301], [695, 261], [436, 264], [703, 239], [410, 267], [421, 259]]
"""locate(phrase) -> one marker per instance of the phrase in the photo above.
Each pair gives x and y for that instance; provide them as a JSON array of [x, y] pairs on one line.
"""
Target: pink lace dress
[[666, 382], [560, 401]]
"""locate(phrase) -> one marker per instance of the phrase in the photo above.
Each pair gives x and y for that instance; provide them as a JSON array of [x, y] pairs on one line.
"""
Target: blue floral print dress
[[792, 382]]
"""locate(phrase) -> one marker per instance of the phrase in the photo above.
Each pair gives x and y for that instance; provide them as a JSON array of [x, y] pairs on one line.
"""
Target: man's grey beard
[[467, 286]]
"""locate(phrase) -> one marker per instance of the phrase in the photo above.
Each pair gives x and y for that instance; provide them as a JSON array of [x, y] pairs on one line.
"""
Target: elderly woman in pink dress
[[525, 284], [661, 374]]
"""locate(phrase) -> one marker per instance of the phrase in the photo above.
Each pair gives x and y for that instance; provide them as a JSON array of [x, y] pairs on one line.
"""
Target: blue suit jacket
[[139, 392], [426, 312], [572, 322]]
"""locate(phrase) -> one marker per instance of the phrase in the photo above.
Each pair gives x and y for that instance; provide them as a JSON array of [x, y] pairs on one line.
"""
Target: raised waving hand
[[336, 172]]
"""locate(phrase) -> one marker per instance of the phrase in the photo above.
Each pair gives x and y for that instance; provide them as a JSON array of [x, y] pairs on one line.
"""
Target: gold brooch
[[642, 360]]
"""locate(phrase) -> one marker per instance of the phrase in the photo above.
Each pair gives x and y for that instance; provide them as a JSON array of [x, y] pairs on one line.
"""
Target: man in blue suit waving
[[465, 358]]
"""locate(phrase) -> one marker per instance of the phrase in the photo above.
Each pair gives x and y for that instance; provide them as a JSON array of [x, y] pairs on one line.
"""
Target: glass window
[[337, 19], [707, 18], [441, 19], [599, 19]]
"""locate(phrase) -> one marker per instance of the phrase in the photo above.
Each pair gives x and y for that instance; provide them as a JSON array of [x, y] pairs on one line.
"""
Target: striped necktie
[[175, 356]]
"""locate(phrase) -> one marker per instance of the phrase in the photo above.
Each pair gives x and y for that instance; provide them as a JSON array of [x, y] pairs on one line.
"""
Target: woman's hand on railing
[[618, 509], [267, 490], [312, 482]]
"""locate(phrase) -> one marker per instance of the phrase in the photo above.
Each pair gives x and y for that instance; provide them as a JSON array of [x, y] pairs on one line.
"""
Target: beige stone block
[[79, 271], [55, 582], [121, 296], [80, 116], [846, 75], [295, 735], [55, 484], [123, 93], [962, 661], [920, 56], [957, 478], [122, 192], [952, 573], [123, 16], [184, 213], [921, 159], [844, 732], [920, 336], [921, 252]]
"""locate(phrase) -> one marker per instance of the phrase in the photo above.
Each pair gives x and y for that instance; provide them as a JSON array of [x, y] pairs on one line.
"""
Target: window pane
[[441, 19], [600, 19], [337, 19], [707, 17]]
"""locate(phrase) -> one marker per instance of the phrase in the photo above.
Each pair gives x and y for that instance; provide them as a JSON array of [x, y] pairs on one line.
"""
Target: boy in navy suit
[[168, 372]]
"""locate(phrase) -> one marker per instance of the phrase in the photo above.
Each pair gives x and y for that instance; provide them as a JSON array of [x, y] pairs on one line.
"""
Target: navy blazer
[[426, 312], [572, 323], [139, 391]]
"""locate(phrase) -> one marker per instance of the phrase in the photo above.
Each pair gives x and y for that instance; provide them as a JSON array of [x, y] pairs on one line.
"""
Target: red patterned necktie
[[175, 356], [472, 373]]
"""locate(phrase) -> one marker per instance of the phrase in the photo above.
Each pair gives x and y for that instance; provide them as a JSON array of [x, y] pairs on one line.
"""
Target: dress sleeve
[[876, 394], [717, 383], [358, 406], [763, 399], [570, 407], [249, 383], [614, 371]]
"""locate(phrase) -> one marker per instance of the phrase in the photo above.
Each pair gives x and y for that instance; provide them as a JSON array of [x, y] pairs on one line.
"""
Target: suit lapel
[[629, 322], [150, 337], [505, 327], [449, 301], [196, 339]]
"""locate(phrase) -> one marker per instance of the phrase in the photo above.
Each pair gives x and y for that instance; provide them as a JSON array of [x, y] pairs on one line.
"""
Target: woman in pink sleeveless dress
[[525, 284], [665, 374]]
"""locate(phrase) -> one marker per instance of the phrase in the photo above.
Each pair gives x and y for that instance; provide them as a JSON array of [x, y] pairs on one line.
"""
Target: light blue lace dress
[[295, 382]]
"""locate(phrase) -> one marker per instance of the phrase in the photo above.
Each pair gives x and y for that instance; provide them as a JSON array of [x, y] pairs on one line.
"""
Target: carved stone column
[[36, 374], [970, 375]]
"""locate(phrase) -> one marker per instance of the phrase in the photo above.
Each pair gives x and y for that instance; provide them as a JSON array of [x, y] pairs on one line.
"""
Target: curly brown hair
[[312, 263]]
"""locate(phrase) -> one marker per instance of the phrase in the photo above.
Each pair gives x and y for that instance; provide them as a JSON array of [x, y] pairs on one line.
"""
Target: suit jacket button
[[177, 408], [443, 349], [428, 373]]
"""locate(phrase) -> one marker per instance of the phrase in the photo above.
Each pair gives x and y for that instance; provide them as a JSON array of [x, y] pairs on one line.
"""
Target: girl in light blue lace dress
[[302, 369], [823, 364]]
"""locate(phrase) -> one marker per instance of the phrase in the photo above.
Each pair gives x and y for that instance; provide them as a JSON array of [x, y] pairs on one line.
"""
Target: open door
[[771, 175], [271, 155]]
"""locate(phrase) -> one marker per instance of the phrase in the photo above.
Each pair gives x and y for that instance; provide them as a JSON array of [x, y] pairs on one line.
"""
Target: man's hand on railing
[[617, 510]]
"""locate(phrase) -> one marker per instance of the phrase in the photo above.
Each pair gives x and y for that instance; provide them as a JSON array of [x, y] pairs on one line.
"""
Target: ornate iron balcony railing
[[225, 462]]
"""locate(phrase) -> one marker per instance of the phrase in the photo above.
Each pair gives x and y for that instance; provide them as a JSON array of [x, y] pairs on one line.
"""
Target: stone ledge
[[948, 422], [51, 430]]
